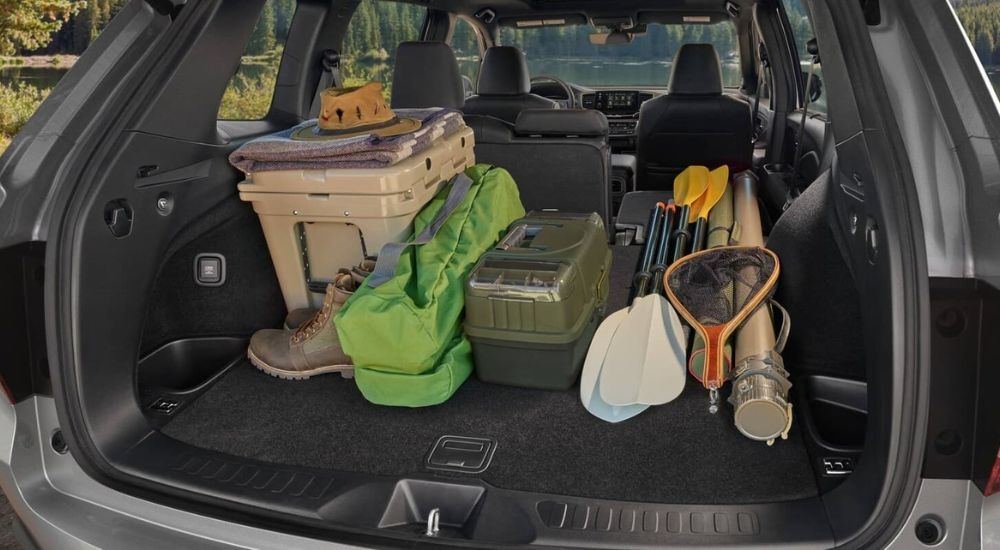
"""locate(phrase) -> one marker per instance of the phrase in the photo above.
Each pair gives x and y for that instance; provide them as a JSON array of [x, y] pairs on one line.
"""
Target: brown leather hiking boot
[[297, 317], [313, 348]]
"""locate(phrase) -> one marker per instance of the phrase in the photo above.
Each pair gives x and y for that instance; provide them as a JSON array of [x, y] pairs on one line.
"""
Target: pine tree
[[262, 38], [29, 24], [284, 10]]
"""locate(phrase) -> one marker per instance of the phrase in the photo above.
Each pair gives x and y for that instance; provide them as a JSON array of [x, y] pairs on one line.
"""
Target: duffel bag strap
[[388, 257]]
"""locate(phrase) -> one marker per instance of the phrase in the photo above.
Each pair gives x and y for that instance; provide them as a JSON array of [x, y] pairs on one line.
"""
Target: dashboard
[[620, 106]]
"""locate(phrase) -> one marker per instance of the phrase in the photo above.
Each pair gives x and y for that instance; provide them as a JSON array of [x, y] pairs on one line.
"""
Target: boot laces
[[309, 329]]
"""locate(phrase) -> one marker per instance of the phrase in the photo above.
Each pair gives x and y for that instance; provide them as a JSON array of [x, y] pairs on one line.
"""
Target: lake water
[[41, 77]]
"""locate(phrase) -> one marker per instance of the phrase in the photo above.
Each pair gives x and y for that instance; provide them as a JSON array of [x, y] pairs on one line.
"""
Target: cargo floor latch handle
[[388, 257]]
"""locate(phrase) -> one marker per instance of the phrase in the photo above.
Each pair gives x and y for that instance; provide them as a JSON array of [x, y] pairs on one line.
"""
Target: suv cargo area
[[160, 270]]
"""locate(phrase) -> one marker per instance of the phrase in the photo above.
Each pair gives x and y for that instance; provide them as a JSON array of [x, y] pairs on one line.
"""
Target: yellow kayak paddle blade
[[690, 185], [717, 183]]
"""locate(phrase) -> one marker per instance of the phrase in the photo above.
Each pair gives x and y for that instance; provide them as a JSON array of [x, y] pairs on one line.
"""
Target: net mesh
[[717, 285]]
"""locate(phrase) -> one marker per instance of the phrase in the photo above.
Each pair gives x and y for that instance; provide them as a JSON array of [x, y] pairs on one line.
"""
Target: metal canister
[[760, 397], [760, 382]]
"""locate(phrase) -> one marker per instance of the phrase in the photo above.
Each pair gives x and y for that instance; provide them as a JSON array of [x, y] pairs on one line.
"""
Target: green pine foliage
[[982, 24], [30, 24], [658, 42], [263, 39]]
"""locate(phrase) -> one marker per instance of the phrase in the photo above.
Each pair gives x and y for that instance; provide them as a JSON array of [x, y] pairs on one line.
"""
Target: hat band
[[356, 129]]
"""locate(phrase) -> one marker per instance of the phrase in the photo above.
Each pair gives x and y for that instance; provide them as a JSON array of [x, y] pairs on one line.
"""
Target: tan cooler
[[317, 221]]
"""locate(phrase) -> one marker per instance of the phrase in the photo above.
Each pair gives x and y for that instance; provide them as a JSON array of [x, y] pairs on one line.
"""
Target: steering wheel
[[570, 96]]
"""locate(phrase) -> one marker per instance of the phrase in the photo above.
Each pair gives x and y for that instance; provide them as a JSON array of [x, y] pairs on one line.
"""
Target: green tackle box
[[532, 303]]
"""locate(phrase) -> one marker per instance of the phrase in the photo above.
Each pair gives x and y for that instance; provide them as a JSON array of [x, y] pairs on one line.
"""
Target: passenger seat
[[559, 158], [504, 86], [426, 75], [695, 123]]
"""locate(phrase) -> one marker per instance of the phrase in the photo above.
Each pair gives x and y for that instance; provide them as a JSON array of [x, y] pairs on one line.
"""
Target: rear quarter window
[[249, 94]]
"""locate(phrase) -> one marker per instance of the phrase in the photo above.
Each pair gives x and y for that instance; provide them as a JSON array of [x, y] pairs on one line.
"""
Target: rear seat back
[[560, 158]]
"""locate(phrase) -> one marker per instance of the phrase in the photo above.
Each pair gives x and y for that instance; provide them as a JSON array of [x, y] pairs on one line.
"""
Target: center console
[[621, 107]]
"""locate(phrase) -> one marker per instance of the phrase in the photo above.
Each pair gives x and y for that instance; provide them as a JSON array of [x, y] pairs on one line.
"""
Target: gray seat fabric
[[504, 86], [426, 75], [695, 123], [560, 159]]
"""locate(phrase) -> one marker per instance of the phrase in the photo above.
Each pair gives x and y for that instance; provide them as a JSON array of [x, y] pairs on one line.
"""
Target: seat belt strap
[[330, 61], [793, 186], [762, 56]]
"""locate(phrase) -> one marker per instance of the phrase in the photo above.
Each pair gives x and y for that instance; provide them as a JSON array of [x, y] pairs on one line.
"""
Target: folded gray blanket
[[279, 152]]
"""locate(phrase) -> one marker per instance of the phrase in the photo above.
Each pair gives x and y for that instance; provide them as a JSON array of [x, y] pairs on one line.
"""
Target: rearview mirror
[[613, 38]]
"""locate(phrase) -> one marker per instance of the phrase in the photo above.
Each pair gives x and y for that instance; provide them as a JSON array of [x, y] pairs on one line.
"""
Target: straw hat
[[355, 111]]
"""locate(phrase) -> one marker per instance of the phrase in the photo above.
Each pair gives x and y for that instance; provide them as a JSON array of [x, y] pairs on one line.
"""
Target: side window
[[979, 19], [468, 49], [802, 32], [248, 96], [376, 28]]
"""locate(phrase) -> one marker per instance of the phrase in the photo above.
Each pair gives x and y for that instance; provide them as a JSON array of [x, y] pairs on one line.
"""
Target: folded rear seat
[[560, 158]]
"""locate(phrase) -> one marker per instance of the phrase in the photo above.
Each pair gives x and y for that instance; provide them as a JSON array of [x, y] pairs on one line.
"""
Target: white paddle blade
[[645, 363], [663, 380], [590, 394]]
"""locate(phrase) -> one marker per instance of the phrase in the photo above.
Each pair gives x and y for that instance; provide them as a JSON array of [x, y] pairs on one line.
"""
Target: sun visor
[[682, 17], [543, 20]]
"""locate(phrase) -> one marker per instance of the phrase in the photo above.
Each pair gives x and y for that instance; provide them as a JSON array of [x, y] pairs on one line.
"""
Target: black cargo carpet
[[546, 441]]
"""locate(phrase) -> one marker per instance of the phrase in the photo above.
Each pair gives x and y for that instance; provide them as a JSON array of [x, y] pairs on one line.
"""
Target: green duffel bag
[[403, 327]]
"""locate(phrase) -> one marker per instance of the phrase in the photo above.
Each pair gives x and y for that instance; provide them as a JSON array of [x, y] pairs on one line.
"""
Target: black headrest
[[561, 122], [426, 75], [696, 71], [504, 72]]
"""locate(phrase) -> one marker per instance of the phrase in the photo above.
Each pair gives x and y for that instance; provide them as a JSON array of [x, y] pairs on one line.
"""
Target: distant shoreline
[[53, 61]]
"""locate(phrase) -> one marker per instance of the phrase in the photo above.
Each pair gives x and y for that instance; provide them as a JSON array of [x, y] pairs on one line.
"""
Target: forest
[[981, 19], [68, 27]]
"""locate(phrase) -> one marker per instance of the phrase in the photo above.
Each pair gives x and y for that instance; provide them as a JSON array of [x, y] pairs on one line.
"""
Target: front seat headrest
[[504, 71], [426, 75], [696, 71]]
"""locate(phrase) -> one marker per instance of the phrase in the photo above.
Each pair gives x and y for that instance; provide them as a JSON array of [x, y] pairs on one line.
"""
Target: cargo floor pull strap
[[388, 257]]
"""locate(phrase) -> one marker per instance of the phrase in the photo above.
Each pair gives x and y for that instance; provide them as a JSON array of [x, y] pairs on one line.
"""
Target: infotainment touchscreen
[[617, 102]]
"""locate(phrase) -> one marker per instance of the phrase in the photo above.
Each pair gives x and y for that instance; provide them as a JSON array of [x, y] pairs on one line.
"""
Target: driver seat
[[504, 86]]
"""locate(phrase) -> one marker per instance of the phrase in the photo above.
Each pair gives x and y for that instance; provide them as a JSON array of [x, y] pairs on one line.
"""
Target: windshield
[[566, 52]]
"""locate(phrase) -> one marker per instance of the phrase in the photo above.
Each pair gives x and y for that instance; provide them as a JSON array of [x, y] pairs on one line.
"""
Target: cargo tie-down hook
[[433, 523]]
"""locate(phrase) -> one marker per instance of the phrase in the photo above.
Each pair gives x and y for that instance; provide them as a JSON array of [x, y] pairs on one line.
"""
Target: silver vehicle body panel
[[62, 507]]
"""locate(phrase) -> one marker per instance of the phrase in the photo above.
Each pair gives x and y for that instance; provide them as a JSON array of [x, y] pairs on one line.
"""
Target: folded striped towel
[[279, 152]]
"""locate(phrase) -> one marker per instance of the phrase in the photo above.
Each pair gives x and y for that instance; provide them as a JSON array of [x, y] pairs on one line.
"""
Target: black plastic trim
[[494, 517], [963, 431], [24, 369]]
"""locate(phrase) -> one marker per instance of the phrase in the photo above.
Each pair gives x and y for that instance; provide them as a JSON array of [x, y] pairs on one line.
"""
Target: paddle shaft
[[698, 236], [652, 233], [681, 235], [663, 250]]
